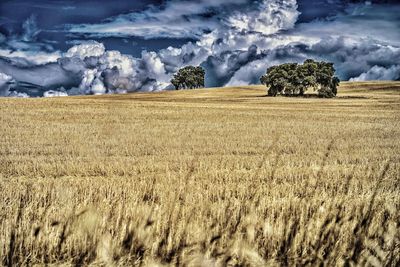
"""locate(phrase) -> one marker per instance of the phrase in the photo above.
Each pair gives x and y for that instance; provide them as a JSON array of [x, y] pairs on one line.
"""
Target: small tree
[[189, 77], [295, 79]]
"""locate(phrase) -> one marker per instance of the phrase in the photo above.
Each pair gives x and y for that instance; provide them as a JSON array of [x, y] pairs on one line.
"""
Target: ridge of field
[[221, 176]]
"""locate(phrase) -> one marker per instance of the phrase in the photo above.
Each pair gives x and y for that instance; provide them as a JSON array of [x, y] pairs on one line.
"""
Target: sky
[[70, 47]]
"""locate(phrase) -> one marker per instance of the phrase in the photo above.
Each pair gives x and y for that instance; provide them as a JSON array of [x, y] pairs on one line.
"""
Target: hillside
[[213, 176], [363, 89]]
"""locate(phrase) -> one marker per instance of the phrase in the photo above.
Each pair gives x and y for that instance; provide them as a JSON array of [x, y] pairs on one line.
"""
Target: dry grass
[[221, 177]]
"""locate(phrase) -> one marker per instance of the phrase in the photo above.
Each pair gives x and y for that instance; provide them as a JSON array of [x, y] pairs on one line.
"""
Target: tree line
[[290, 79]]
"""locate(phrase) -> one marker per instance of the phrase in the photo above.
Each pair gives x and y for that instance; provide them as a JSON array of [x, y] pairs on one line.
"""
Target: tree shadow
[[311, 96]]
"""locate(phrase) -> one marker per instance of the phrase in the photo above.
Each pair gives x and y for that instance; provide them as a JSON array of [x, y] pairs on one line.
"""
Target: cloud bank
[[234, 42], [379, 73]]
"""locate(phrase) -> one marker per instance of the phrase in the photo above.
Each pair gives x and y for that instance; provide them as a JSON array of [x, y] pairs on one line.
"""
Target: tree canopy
[[296, 79], [189, 77]]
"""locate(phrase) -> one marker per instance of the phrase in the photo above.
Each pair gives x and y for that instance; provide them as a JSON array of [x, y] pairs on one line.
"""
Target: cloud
[[31, 57], [31, 29], [244, 40], [26, 47], [249, 74], [91, 82], [221, 68], [186, 19], [18, 94], [267, 18], [35, 79], [88, 49], [353, 58], [53, 93], [5, 81], [357, 21], [379, 73], [86, 69], [353, 40]]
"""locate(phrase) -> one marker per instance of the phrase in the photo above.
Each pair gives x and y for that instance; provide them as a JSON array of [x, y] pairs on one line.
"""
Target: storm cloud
[[235, 42]]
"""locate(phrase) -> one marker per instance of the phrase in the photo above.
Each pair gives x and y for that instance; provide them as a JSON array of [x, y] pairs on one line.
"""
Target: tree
[[189, 77], [296, 79]]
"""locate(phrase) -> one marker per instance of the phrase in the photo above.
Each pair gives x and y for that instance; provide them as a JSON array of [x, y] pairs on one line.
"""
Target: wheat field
[[210, 177]]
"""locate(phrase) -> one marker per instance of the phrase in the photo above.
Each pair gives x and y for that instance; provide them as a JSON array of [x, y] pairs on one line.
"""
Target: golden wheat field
[[209, 177]]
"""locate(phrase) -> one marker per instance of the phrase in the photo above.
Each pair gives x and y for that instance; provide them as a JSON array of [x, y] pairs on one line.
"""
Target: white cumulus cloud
[[54, 93], [89, 49], [379, 73]]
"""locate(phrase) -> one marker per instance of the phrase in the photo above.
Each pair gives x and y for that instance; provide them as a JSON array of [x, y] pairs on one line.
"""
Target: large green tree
[[296, 79], [189, 77]]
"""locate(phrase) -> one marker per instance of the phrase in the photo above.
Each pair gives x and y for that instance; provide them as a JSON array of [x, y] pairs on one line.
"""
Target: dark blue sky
[[235, 41]]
